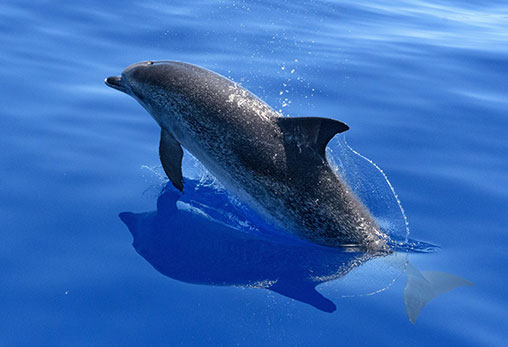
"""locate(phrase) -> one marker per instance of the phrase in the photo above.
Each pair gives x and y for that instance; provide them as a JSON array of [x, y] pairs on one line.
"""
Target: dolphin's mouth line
[[116, 83]]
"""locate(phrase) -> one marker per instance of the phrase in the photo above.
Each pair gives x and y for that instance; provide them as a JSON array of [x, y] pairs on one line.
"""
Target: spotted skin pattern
[[274, 164]]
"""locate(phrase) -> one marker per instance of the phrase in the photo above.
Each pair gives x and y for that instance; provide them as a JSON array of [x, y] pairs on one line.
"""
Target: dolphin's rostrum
[[275, 164]]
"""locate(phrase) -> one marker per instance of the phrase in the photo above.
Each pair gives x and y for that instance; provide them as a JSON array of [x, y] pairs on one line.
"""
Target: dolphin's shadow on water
[[183, 241], [188, 245]]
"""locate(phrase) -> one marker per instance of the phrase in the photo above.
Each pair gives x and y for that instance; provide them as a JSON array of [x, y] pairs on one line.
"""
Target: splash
[[372, 186]]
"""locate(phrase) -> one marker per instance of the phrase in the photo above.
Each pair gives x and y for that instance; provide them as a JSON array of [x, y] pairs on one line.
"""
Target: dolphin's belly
[[243, 183]]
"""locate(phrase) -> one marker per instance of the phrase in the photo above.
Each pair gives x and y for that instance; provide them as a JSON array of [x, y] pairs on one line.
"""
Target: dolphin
[[276, 165]]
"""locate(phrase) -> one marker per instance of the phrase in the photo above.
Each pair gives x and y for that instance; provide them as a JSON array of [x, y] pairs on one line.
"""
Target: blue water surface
[[422, 86]]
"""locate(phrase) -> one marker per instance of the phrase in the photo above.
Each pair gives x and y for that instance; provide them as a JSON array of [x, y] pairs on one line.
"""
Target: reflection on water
[[190, 246], [183, 241]]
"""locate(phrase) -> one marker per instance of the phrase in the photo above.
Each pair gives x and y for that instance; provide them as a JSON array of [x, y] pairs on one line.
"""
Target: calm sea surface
[[423, 86]]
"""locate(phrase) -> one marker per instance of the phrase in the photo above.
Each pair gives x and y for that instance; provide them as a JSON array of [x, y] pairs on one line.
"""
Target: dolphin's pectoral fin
[[171, 154], [422, 287], [310, 132], [304, 292]]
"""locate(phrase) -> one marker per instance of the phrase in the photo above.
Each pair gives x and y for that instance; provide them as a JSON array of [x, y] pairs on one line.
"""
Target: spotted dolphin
[[275, 164]]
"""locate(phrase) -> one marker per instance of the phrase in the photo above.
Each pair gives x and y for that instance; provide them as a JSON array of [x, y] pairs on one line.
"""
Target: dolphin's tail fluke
[[422, 287]]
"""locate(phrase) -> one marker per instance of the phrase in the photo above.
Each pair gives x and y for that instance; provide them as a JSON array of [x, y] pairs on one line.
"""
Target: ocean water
[[422, 86]]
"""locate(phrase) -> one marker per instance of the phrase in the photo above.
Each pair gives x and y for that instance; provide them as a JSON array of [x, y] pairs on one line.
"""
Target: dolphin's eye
[[149, 63]]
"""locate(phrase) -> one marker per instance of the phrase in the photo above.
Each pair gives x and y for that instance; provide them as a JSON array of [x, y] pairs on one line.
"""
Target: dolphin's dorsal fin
[[304, 292], [310, 132], [171, 153]]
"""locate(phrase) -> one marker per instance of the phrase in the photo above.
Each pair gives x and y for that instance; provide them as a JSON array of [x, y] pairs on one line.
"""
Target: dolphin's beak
[[116, 83]]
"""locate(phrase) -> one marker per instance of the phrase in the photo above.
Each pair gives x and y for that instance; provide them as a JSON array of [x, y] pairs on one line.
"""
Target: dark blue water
[[421, 84]]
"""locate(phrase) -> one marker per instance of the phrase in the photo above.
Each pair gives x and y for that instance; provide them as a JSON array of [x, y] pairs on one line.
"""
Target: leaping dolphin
[[275, 164]]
